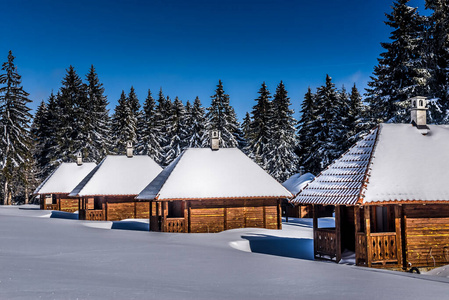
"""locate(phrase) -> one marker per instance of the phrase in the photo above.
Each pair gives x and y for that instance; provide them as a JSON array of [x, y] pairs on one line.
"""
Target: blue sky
[[185, 47]]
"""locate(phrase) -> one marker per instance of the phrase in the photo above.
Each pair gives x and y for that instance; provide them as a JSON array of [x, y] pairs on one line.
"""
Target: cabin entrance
[[378, 235], [168, 216]]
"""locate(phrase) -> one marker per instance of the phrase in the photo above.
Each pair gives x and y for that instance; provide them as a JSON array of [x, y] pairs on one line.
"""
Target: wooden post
[[186, 215], [356, 229], [225, 218], [163, 216], [315, 227], [264, 214], [338, 232], [368, 232], [189, 212], [279, 214], [397, 225]]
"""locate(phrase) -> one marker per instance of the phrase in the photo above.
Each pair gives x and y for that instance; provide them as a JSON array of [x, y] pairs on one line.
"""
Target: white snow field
[[43, 257]]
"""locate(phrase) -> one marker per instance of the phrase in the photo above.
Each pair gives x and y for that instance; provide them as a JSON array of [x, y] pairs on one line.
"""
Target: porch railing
[[91, 214], [51, 206], [325, 240], [384, 248], [174, 225]]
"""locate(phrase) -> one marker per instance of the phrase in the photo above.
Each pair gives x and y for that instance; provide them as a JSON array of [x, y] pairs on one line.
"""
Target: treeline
[[76, 118]]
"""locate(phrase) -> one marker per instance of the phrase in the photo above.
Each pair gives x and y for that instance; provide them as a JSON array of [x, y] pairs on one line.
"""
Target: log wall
[[125, 208], [219, 215], [68, 204], [426, 235]]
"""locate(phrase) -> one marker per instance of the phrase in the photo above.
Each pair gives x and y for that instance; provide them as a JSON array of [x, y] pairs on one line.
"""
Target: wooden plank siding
[[217, 215], [61, 202], [426, 235]]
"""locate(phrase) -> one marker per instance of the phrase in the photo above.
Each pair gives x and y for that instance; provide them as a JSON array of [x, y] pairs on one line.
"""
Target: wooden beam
[[368, 232], [186, 215], [315, 227], [398, 227], [338, 231], [163, 215], [356, 229]]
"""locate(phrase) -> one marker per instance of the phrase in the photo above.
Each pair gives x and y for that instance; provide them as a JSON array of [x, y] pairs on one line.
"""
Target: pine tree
[[162, 116], [401, 72], [221, 116], [97, 122], [124, 125], [71, 105], [307, 130], [148, 131], [178, 132], [197, 125], [15, 140], [282, 160], [54, 134], [437, 40], [246, 129], [260, 128], [40, 134]]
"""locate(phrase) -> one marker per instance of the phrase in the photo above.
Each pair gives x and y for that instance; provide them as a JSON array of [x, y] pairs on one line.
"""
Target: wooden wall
[[68, 204], [426, 233], [219, 215], [119, 208]]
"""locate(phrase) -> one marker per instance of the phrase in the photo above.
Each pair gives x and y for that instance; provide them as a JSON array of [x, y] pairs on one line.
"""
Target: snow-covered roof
[[394, 163], [201, 173], [118, 175], [297, 182], [65, 178]]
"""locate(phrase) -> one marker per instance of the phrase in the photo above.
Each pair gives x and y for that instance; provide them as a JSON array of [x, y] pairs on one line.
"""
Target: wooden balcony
[[325, 240], [91, 214], [384, 249], [174, 225]]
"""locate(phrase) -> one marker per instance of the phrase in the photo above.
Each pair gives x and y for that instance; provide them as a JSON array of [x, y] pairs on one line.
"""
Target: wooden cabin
[[294, 185], [391, 197], [54, 191], [206, 190], [108, 192]]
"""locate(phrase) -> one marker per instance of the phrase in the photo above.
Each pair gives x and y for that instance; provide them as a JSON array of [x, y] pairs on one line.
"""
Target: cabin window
[[382, 219]]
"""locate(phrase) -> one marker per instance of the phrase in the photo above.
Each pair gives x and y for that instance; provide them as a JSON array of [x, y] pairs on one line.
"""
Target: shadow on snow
[[281, 246]]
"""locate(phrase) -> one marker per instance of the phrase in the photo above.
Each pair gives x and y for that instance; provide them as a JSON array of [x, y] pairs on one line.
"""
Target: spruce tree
[[221, 116], [124, 125], [437, 39], [178, 132], [260, 128], [282, 160], [307, 130], [72, 104], [148, 139], [401, 72], [246, 129], [40, 134], [197, 125], [97, 122], [15, 140], [162, 116]]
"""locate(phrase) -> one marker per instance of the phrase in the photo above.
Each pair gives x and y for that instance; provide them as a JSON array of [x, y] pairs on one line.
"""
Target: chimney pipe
[[79, 158], [214, 139], [129, 149], [418, 113]]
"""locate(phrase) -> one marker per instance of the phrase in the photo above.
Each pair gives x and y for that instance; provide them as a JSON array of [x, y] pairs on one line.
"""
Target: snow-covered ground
[[50, 256]]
